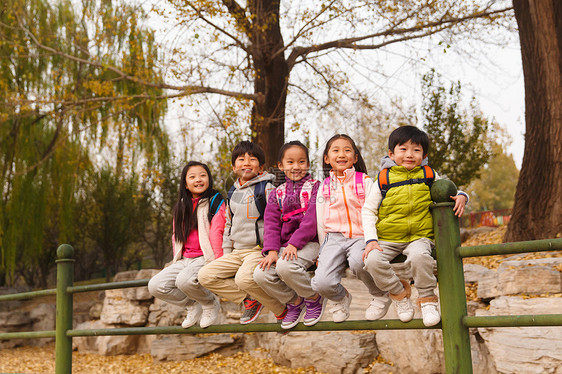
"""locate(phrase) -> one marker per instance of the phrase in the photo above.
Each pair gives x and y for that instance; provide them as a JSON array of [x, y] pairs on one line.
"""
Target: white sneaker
[[430, 313], [378, 307], [404, 308], [193, 313], [340, 310], [210, 314]]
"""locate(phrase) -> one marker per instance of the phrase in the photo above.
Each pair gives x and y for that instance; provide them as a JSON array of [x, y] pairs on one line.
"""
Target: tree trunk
[[272, 75], [537, 213]]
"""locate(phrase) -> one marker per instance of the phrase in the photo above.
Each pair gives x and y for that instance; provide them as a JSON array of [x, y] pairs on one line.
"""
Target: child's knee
[[186, 283], [373, 262], [153, 287], [245, 281], [205, 276], [285, 268], [260, 276], [322, 285]]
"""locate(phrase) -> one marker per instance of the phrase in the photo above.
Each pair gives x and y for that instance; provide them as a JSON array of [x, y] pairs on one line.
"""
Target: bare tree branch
[[238, 42], [351, 43]]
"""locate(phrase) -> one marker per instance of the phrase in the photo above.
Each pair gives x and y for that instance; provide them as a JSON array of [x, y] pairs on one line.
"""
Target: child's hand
[[268, 260], [371, 246], [289, 253], [460, 202]]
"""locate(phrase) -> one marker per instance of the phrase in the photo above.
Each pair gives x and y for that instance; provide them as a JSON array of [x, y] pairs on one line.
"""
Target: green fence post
[[456, 339], [65, 278]]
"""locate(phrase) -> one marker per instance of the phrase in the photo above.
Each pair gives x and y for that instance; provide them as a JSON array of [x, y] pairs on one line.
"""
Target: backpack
[[305, 195], [260, 201], [383, 178], [359, 187], [214, 205]]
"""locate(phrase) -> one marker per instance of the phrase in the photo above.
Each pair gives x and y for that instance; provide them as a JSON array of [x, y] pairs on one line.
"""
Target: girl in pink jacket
[[340, 229], [198, 222]]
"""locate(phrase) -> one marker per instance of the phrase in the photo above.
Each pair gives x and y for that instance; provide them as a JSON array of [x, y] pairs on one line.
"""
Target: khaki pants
[[232, 277]]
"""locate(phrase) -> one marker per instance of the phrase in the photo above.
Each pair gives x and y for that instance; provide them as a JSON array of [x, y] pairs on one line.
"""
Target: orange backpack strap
[[382, 180]]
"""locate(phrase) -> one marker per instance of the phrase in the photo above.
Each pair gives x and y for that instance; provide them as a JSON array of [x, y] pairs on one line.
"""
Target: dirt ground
[[41, 360]]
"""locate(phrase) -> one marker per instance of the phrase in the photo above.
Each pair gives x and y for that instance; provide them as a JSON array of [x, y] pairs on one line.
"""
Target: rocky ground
[[41, 359]]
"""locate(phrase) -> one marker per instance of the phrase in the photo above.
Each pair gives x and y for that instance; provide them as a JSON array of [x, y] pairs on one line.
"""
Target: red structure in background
[[492, 218]]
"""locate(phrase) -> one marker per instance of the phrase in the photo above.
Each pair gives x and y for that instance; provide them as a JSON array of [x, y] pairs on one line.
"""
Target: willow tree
[[61, 104], [537, 213]]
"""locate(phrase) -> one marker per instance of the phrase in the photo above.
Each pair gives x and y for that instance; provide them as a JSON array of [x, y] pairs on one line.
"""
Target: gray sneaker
[[253, 309]]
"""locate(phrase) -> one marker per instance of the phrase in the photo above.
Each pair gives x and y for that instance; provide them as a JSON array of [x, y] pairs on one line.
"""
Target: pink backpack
[[359, 187], [305, 196]]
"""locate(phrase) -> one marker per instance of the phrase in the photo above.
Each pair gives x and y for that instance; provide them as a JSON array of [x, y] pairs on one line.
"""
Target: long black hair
[[185, 218], [359, 165]]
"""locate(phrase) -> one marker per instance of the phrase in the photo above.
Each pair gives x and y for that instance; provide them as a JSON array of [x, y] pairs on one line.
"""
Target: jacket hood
[[264, 176], [387, 162]]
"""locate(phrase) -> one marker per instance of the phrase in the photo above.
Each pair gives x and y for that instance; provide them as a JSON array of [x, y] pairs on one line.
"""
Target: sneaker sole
[[293, 324], [315, 321], [254, 317]]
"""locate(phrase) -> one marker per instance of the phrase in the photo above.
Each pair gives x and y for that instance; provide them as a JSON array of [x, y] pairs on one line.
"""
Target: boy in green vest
[[397, 219]]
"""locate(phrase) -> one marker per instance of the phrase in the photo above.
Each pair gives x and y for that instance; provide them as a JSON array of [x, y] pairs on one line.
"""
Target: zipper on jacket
[[347, 211]]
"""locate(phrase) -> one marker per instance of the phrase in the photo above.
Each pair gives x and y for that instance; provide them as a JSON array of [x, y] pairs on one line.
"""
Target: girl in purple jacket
[[290, 240]]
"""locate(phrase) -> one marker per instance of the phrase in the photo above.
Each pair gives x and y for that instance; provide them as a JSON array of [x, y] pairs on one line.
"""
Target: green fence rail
[[454, 319]]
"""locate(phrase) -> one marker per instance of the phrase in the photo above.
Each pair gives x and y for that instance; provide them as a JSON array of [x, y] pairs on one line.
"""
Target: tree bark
[[537, 212], [272, 75]]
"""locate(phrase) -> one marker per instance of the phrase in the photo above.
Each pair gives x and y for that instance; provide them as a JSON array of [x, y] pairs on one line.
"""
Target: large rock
[[524, 349], [117, 310], [488, 285], [118, 345], [187, 347], [105, 345], [132, 293], [165, 314], [11, 320], [412, 351], [340, 352], [88, 344], [43, 318], [536, 276]]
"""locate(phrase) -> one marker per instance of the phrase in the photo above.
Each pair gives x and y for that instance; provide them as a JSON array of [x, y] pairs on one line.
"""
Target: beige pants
[[232, 277]]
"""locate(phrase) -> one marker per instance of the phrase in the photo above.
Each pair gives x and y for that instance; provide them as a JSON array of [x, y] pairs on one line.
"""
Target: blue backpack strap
[[261, 201], [214, 205]]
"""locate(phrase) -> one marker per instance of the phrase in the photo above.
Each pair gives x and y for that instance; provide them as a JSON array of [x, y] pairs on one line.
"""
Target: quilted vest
[[404, 214]]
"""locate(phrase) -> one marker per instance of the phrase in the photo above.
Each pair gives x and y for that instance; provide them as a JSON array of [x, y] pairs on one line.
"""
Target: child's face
[[341, 156], [408, 155], [247, 167], [197, 180], [294, 163]]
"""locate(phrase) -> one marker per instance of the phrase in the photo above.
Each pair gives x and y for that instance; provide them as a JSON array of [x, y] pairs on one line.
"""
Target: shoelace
[[378, 303], [249, 304], [403, 305]]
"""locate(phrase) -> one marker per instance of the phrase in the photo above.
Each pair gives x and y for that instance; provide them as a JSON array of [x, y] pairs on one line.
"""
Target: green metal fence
[[454, 322]]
